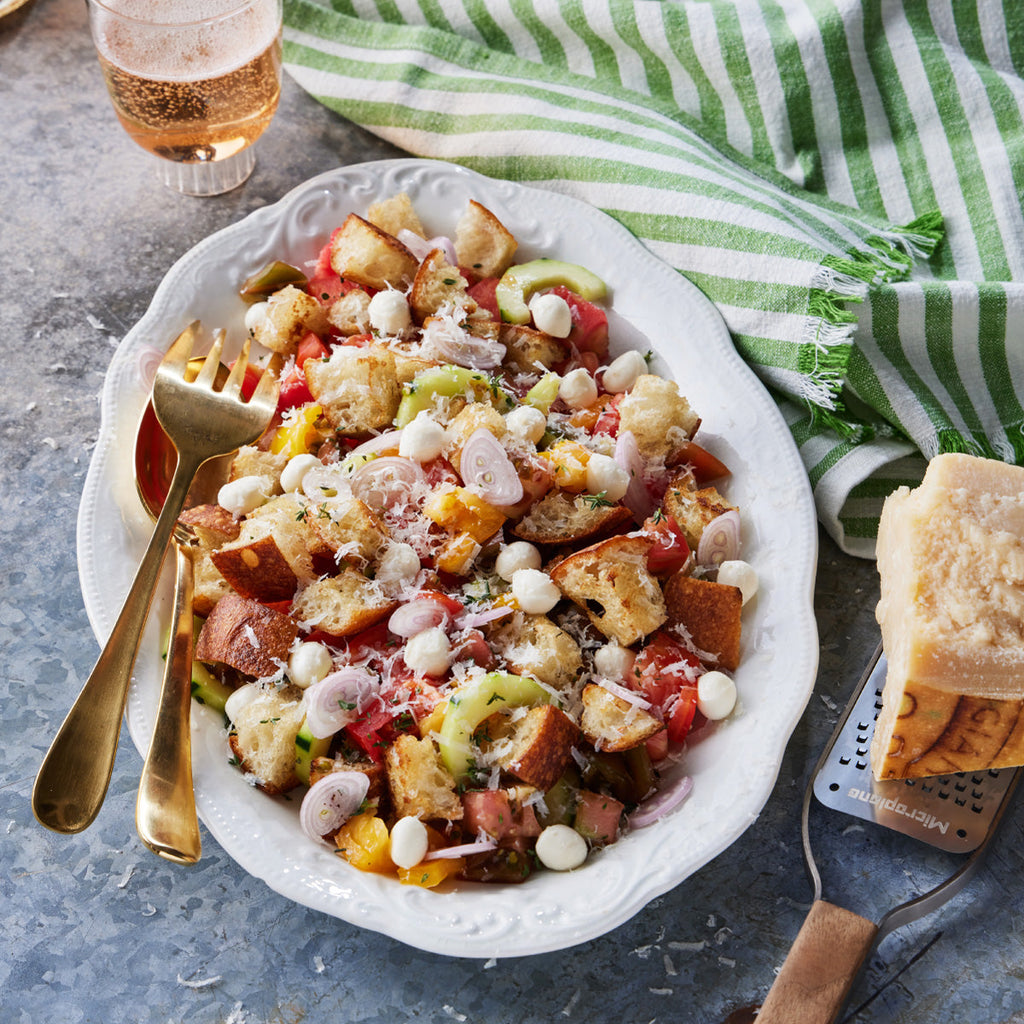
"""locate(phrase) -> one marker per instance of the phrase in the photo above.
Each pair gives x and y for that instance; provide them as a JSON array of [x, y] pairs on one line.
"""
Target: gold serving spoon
[[165, 811], [202, 423]]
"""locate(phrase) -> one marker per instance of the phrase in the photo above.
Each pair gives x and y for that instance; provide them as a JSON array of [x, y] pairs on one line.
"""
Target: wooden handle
[[819, 971]]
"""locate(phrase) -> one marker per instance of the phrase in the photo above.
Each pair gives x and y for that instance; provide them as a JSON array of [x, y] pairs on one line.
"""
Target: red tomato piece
[[598, 817], [663, 668], [482, 293], [608, 421], [325, 284], [294, 391], [681, 714], [249, 380], [704, 466], [310, 347], [670, 551], [490, 811], [372, 732], [589, 324], [474, 646]]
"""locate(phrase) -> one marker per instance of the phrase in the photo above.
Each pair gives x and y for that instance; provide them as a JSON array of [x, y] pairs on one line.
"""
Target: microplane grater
[[950, 812]]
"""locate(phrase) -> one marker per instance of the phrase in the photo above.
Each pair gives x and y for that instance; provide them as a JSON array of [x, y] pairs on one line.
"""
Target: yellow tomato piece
[[456, 555], [459, 510], [432, 722], [568, 464], [299, 434], [431, 873], [364, 842]]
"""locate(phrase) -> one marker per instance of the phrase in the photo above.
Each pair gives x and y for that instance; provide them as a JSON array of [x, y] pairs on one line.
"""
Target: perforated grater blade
[[950, 812]]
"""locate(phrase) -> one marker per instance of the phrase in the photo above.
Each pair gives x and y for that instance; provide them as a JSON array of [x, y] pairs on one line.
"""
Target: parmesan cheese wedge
[[951, 564]]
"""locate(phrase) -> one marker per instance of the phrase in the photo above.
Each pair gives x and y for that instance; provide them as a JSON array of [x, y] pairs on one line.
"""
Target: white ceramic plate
[[733, 769]]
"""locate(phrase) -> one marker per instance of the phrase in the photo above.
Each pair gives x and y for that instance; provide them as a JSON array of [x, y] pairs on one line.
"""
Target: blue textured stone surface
[[94, 928]]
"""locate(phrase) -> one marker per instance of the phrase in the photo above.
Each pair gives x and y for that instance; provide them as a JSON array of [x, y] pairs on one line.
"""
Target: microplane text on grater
[[949, 812]]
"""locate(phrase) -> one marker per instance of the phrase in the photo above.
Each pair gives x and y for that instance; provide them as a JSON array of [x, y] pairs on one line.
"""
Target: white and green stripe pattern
[[842, 179]]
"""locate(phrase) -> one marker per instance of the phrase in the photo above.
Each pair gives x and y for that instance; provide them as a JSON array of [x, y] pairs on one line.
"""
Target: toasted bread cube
[[482, 243], [438, 284], [350, 314], [342, 605], [657, 415], [561, 518], [710, 613], [612, 723], [366, 255], [350, 530], [396, 214], [291, 314], [252, 461], [533, 645], [459, 510], [375, 774], [357, 388], [420, 784], [541, 746], [263, 738], [527, 349], [246, 635], [694, 509], [208, 585], [212, 524], [611, 583]]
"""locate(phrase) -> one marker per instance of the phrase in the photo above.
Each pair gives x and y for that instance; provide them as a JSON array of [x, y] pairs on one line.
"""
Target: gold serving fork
[[202, 424]]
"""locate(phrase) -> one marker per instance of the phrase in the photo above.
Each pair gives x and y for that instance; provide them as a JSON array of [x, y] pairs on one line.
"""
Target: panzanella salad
[[476, 586]]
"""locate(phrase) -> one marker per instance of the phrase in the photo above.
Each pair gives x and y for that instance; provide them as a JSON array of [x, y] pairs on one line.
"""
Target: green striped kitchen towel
[[842, 179]]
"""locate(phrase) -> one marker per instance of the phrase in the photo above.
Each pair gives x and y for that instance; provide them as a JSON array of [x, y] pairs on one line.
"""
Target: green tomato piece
[[543, 393], [518, 283], [270, 279], [448, 381], [475, 702], [307, 749]]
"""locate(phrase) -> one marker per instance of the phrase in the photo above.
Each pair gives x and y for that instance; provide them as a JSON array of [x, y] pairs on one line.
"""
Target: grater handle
[[814, 981]]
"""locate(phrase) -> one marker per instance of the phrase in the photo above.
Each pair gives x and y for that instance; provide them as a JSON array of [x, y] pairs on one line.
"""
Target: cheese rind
[[951, 563]]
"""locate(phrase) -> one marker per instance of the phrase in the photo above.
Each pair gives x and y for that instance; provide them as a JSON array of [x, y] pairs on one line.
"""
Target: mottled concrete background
[[93, 928]]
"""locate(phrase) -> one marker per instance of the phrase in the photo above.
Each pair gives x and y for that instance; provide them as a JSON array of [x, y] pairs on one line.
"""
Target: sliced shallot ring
[[470, 620], [487, 470], [386, 481], [422, 247], [465, 850], [446, 340], [637, 498], [416, 615], [720, 540], [330, 802], [630, 696], [325, 482], [661, 803], [336, 700], [379, 445]]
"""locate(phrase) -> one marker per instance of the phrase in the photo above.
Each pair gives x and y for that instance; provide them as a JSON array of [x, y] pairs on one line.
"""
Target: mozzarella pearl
[[535, 592], [308, 664], [605, 476], [716, 695], [578, 389], [389, 312], [399, 564], [526, 423], [239, 699], [737, 573], [561, 848], [520, 554], [551, 314], [429, 652], [255, 317], [614, 662], [423, 439], [298, 466], [624, 372], [409, 842], [243, 495]]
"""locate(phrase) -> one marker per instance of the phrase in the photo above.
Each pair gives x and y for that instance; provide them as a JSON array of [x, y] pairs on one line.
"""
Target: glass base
[[207, 179]]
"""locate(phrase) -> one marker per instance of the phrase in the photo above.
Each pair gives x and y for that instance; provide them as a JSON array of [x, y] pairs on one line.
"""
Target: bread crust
[[710, 613], [246, 635]]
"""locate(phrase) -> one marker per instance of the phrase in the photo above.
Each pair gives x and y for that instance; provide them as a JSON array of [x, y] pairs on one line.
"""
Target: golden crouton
[[482, 243], [657, 415], [291, 314], [212, 524], [374, 773], [252, 461], [532, 645], [611, 583], [395, 214], [352, 532], [364, 254], [262, 738], [208, 585], [710, 613], [562, 518], [438, 284], [350, 314], [246, 635], [342, 605], [357, 388], [540, 747], [526, 348], [694, 509], [612, 723], [420, 784]]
